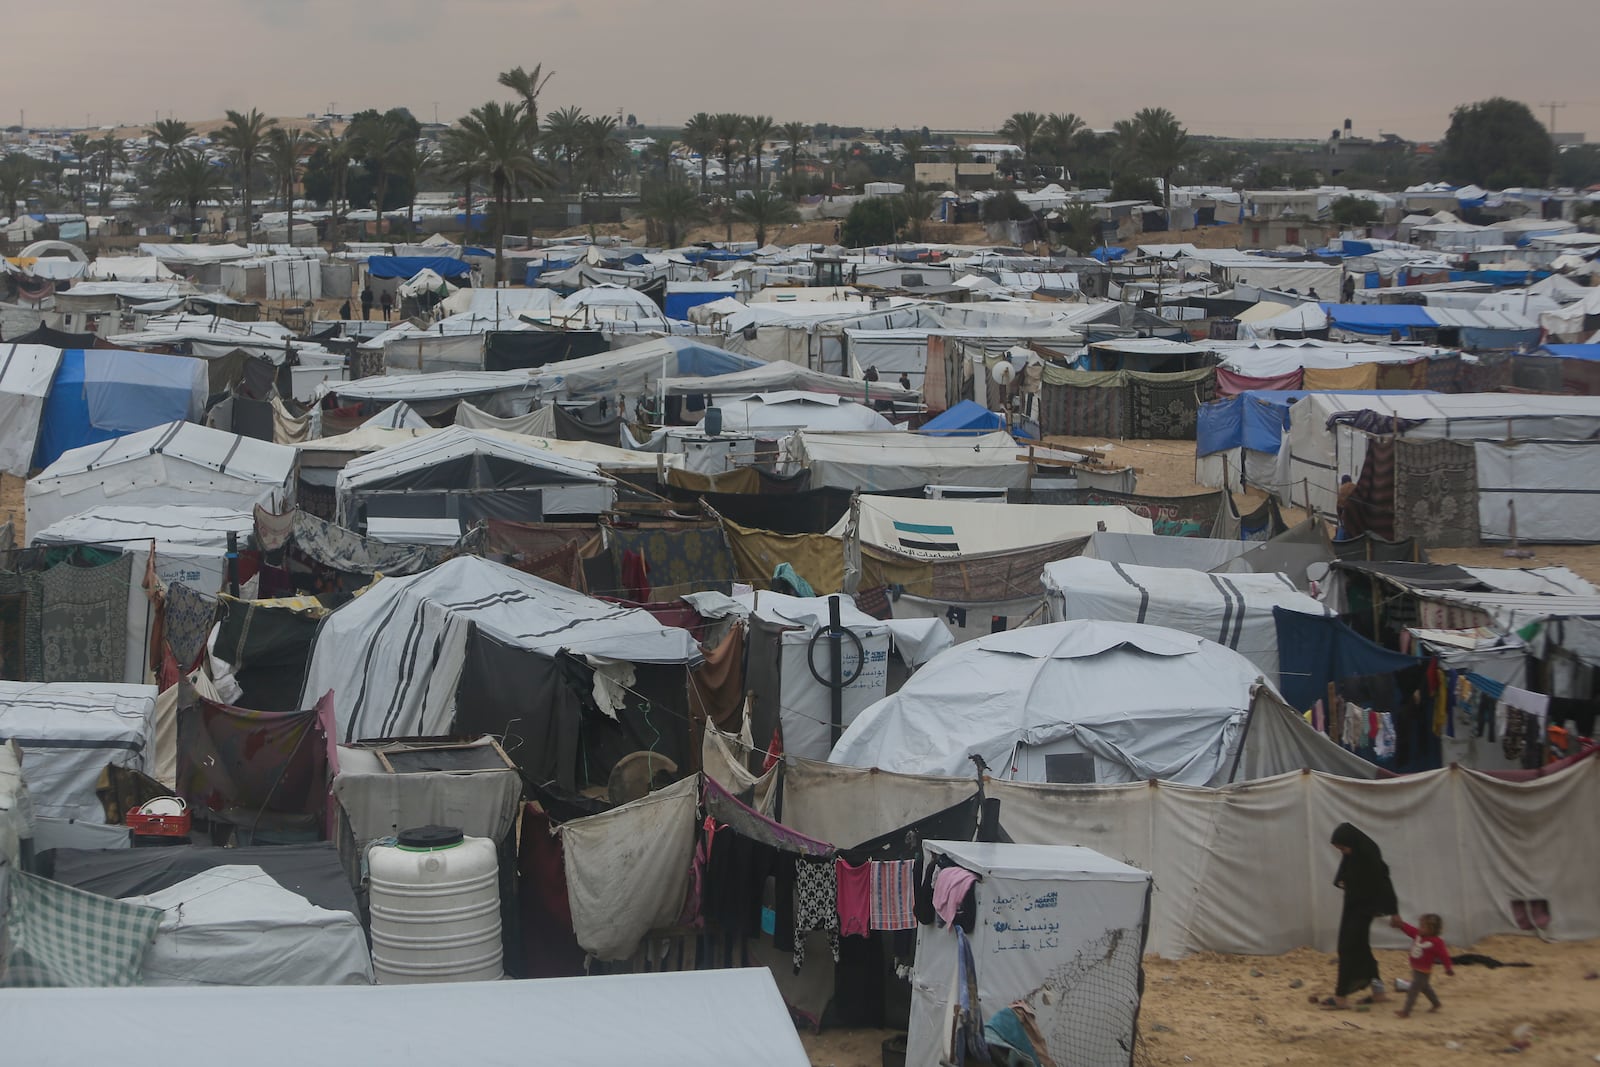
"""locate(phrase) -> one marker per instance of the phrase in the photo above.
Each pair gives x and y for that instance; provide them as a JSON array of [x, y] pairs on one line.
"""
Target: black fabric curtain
[[518, 349], [522, 697]]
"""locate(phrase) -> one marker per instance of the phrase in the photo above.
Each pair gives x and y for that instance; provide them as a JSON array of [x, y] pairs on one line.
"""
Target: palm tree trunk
[[244, 187], [702, 174], [502, 199], [288, 200]]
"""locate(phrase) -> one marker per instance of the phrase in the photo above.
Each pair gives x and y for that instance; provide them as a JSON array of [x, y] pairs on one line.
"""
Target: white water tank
[[435, 903]]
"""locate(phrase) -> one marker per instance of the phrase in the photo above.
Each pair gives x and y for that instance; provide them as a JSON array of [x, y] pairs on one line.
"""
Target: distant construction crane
[[1554, 107]]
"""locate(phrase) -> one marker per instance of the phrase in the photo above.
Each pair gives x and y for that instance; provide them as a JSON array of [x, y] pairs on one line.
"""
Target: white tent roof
[[453, 442], [1269, 359], [936, 529], [69, 731], [26, 372], [384, 694], [179, 463], [730, 1016], [184, 527], [191, 254], [1144, 701], [790, 410], [446, 385], [771, 377], [1234, 610], [234, 925], [882, 462]]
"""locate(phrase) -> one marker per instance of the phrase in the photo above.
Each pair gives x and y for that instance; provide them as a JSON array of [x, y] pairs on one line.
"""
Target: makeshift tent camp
[[966, 419], [950, 529], [774, 377], [179, 463], [69, 732], [885, 462], [191, 541], [236, 926], [734, 1016], [390, 688], [1090, 702], [1234, 610], [26, 373], [1062, 930], [469, 475], [782, 413], [103, 393]]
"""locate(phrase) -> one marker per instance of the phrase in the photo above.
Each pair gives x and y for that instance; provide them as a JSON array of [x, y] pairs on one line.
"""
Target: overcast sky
[[1264, 68]]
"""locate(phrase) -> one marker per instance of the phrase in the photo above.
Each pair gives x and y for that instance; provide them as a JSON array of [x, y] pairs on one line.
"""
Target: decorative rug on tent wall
[[1436, 493], [84, 621], [1073, 410], [1371, 507], [1168, 410]]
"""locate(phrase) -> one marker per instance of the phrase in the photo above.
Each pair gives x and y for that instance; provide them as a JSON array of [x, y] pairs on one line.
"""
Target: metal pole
[[233, 563], [836, 664]]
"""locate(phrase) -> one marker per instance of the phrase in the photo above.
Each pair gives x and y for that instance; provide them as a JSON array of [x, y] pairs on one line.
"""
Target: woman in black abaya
[[1368, 894]]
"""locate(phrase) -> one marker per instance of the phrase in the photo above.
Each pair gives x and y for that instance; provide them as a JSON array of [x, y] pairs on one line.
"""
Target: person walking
[[344, 311], [1368, 894], [366, 303], [388, 305], [1427, 948]]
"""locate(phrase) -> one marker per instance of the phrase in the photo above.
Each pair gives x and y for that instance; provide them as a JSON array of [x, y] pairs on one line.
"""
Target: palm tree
[[167, 137], [1163, 145], [700, 137], [380, 140], [83, 151], [457, 164], [285, 158], [657, 158], [763, 209], [600, 150], [565, 130], [188, 179], [498, 141], [245, 137], [338, 149], [758, 130], [729, 127], [412, 161], [918, 205], [109, 153], [527, 84], [672, 207], [1059, 130], [1125, 146], [796, 133], [1023, 130], [16, 176]]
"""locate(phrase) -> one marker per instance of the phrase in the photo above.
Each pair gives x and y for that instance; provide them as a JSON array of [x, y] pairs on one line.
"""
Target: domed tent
[[1093, 703]]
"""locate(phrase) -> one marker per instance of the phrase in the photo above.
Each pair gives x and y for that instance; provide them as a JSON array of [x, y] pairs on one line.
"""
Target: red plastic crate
[[159, 825]]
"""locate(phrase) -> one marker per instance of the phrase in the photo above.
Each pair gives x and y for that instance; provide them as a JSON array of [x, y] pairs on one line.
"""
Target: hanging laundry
[[950, 887], [893, 888], [1384, 745], [816, 906], [855, 894]]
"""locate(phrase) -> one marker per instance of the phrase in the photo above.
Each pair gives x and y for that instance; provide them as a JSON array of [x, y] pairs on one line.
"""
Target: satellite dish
[[1003, 373]]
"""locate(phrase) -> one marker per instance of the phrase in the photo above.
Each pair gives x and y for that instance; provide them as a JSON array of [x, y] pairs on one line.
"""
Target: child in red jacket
[[1427, 948]]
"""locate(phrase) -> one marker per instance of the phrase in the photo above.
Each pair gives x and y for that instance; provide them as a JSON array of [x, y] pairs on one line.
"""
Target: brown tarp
[[716, 690], [738, 480]]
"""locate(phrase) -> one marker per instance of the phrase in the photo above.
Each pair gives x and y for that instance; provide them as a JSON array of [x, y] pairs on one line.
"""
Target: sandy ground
[[11, 509], [1242, 1011]]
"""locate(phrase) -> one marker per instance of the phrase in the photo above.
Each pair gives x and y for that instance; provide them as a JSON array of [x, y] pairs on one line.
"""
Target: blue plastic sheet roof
[[1378, 318], [410, 266], [1574, 351], [1257, 418], [1109, 254], [967, 417]]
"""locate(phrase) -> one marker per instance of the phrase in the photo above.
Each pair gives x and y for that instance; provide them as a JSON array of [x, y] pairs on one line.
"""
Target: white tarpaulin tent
[[939, 529], [456, 460], [779, 413], [1318, 451], [394, 688], [236, 926], [26, 372], [722, 1017], [499, 393], [179, 463], [775, 377], [69, 731], [1058, 927], [884, 462], [1089, 702], [1234, 610], [191, 541], [1208, 847]]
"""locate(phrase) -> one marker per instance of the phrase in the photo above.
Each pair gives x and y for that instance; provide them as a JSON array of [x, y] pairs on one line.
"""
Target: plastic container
[[435, 904], [713, 422]]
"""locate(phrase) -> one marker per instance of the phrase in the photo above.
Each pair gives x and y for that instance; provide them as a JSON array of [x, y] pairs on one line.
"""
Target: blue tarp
[[1314, 650], [1109, 253], [1500, 277], [481, 253], [677, 304], [966, 418], [1378, 318], [1257, 418], [1573, 351], [411, 266], [132, 391], [1356, 248], [696, 360]]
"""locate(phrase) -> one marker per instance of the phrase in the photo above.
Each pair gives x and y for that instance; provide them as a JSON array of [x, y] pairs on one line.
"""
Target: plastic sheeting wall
[[1459, 842], [1555, 485]]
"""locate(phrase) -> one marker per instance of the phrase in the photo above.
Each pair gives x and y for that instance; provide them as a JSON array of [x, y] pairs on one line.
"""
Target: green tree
[[166, 138], [565, 131], [764, 209], [527, 84], [82, 148], [379, 141], [1025, 129], [796, 134], [729, 127], [917, 206], [1060, 130], [1128, 186], [758, 130], [1497, 143], [189, 179], [872, 221], [1005, 206], [1578, 167], [1078, 225], [285, 156], [245, 138], [700, 137], [656, 159], [1123, 146], [413, 161], [1163, 146], [1271, 176], [670, 207], [16, 178], [1354, 211], [601, 151], [109, 154], [497, 141]]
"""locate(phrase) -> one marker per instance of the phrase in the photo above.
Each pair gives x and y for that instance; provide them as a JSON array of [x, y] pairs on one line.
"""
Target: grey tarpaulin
[[628, 869], [378, 804]]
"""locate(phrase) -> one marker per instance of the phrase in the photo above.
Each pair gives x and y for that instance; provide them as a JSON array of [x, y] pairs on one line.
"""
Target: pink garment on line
[[950, 887], [855, 897]]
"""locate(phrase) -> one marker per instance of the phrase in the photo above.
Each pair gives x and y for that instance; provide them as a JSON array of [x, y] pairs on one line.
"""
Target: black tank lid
[[431, 837]]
